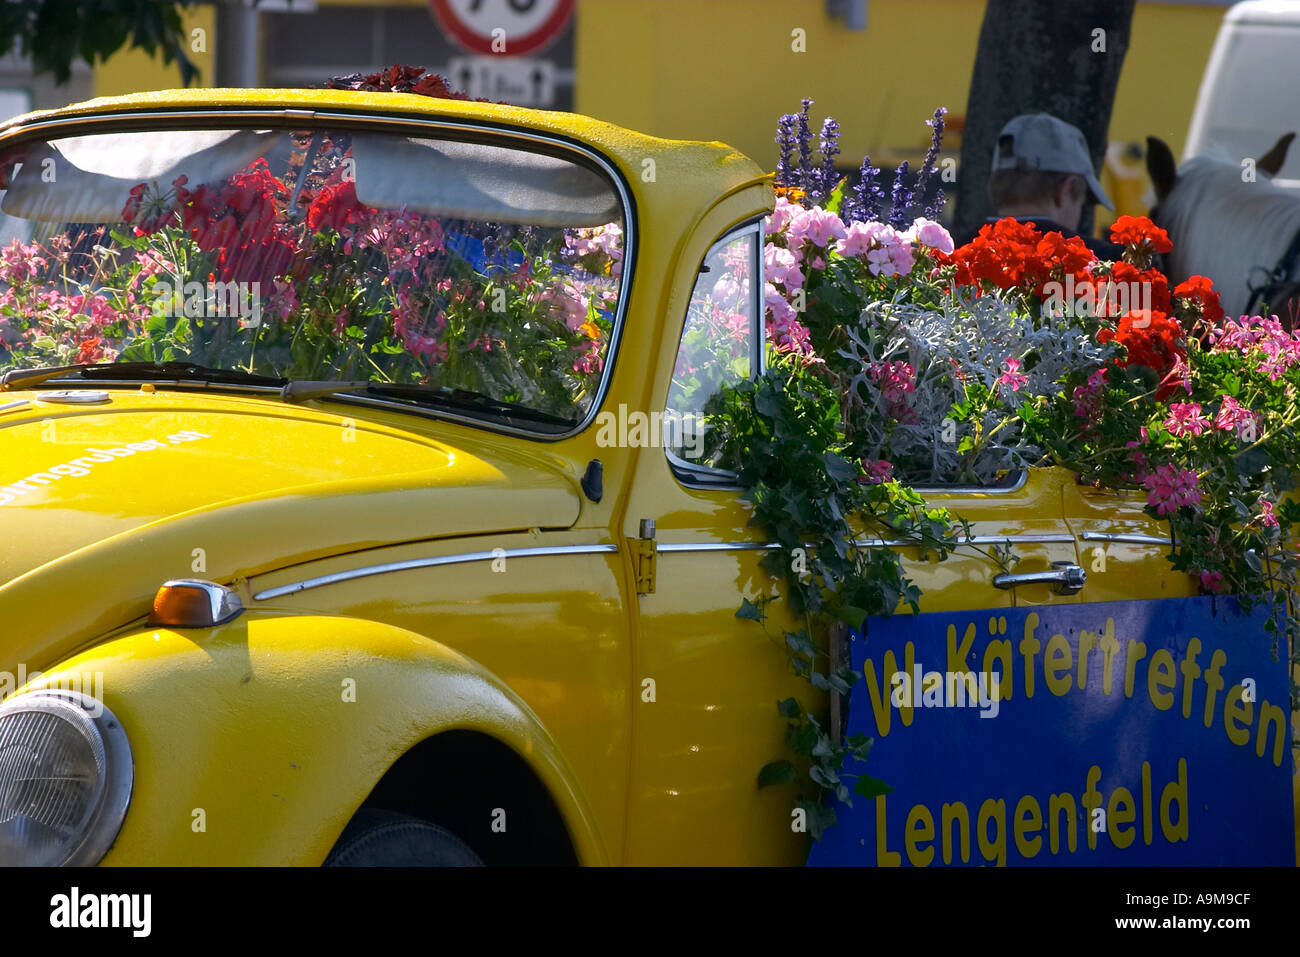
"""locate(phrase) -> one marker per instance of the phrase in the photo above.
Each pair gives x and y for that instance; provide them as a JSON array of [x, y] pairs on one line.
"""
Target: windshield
[[315, 254]]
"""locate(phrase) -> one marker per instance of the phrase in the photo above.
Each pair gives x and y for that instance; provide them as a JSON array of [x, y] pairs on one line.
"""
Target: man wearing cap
[[1042, 173]]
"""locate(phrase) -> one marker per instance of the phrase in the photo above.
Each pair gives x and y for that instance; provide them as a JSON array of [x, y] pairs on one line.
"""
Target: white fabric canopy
[[478, 182], [88, 179]]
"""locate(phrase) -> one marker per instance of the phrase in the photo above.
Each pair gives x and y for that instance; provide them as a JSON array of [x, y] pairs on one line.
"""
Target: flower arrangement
[[897, 360]]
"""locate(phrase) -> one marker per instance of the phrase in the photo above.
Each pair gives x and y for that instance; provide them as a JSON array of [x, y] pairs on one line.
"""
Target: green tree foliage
[[55, 33]]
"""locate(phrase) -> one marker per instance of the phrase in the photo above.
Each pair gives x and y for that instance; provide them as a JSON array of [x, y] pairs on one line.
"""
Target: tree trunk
[[1038, 56]]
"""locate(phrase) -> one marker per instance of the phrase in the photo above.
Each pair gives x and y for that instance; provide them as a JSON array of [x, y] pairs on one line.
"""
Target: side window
[[719, 347]]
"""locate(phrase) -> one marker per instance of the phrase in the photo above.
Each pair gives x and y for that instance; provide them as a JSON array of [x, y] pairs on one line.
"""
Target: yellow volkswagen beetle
[[354, 506]]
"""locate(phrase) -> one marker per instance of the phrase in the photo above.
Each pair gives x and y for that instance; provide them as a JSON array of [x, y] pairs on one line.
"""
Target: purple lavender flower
[[806, 174], [900, 198], [785, 141], [864, 199], [829, 147], [928, 168]]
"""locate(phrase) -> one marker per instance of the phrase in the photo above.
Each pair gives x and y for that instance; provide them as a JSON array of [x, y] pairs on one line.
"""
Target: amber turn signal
[[194, 603]]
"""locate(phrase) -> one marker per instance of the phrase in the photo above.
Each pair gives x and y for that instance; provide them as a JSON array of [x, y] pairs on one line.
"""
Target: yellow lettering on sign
[[919, 829], [1056, 661], [1028, 820], [1161, 676]]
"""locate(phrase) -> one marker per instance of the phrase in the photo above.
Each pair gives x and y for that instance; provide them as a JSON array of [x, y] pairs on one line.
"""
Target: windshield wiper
[[303, 390], [19, 378]]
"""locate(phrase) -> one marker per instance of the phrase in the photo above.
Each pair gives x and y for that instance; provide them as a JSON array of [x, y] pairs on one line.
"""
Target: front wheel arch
[[480, 790]]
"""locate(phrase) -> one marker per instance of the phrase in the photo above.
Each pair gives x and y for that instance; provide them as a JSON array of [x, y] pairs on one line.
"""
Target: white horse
[[1232, 226]]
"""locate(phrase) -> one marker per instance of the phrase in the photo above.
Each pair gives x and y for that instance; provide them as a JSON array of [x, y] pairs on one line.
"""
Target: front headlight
[[65, 779]]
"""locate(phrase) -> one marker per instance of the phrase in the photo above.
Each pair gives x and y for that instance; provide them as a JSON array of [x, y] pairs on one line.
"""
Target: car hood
[[223, 487]]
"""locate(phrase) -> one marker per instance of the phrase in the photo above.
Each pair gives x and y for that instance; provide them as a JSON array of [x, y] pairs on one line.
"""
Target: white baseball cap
[[1039, 141]]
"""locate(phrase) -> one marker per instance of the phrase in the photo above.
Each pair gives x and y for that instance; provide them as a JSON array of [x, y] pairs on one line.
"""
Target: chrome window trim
[[702, 476], [1019, 483], [430, 562], [289, 117], [1130, 538]]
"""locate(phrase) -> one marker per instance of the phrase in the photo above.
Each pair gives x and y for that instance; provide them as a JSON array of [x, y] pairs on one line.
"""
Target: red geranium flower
[[1135, 230], [1198, 291], [334, 207], [1152, 339]]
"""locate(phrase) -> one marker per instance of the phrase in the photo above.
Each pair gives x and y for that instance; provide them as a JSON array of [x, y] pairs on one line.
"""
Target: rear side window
[[719, 348]]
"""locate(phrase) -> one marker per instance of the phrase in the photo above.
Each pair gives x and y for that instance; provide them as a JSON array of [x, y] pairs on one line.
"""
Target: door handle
[[1068, 578]]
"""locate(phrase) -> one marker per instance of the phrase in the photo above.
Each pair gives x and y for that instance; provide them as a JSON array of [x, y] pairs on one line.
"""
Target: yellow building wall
[[725, 69], [133, 71]]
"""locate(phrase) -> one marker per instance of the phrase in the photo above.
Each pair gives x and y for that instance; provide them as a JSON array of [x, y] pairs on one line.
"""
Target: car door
[[706, 721]]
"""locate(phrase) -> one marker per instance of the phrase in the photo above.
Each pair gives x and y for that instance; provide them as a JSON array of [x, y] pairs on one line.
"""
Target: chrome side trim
[[10, 406], [362, 117], [1132, 538], [1043, 539], [431, 562], [718, 547]]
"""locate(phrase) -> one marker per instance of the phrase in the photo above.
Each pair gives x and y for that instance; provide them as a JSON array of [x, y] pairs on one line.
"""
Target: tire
[[375, 838]]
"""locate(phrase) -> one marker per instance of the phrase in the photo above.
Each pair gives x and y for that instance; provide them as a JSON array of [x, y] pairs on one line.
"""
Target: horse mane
[[1223, 227]]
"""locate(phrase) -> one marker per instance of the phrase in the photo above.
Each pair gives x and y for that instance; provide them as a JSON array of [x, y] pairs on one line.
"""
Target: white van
[[1250, 94]]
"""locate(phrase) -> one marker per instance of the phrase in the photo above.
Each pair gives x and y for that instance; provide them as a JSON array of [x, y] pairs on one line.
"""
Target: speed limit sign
[[502, 27]]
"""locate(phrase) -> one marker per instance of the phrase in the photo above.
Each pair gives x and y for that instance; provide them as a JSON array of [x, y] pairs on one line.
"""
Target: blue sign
[[1118, 733]]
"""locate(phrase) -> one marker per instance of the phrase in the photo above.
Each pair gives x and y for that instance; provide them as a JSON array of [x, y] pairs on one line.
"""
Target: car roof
[[700, 168]]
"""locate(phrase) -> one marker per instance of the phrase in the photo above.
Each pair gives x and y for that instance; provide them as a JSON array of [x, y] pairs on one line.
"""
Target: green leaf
[[823, 776], [870, 787], [852, 615], [777, 772], [836, 198], [789, 708], [839, 469], [750, 610], [819, 818], [768, 403]]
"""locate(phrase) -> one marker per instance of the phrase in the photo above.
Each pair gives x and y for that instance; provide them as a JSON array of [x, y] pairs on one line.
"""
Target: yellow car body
[[436, 610]]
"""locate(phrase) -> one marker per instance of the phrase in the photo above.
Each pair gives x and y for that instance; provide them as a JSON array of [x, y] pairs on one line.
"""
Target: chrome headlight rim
[[114, 793]]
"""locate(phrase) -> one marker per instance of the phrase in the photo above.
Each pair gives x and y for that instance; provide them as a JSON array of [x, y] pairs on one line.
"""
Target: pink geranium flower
[[927, 232], [1266, 516], [781, 265], [1185, 419], [1233, 416], [780, 217], [777, 305], [1012, 377], [877, 471], [1171, 488], [815, 227]]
